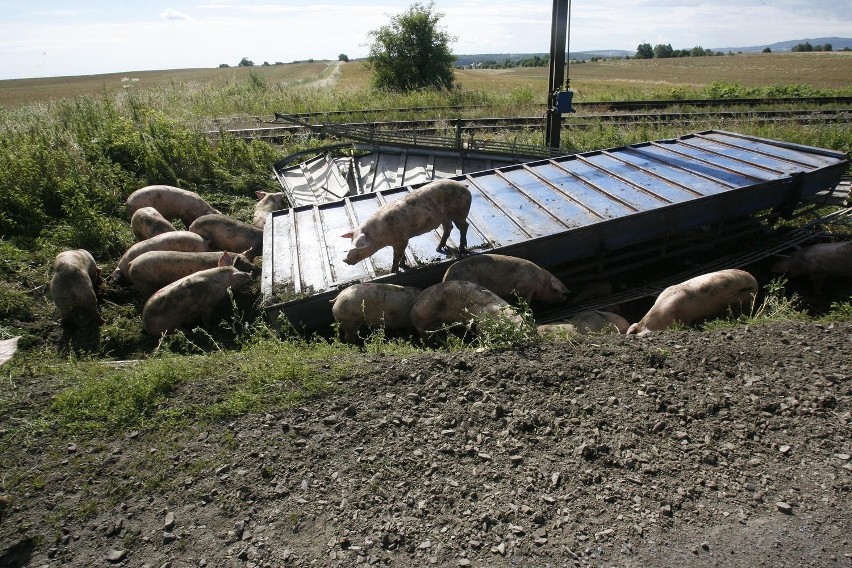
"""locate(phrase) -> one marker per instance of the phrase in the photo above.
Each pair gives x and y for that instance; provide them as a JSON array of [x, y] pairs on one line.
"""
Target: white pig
[[458, 302], [818, 262], [175, 240], [76, 276], [442, 202], [227, 233], [590, 321], [192, 298], [147, 222], [171, 202], [268, 202], [373, 304], [507, 276], [154, 269], [698, 298]]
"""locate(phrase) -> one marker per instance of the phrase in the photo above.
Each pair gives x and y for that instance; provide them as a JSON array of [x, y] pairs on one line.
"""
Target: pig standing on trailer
[[176, 240], [76, 276], [268, 203], [147, 222], [171, 202], [373, 304], [192, 297], [227, 233], [442, 202], [818, 262], [698, 298], [155, 269], [458, 302], [507, 276]]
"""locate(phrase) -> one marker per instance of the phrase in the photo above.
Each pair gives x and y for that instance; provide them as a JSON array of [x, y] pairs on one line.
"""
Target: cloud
[[171, 14]]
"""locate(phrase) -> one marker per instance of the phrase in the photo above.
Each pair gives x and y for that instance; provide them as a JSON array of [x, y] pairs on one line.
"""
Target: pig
[[457, 302], [375, 305], [227, 233], [508, 276], [174, 240], [171, 202], [590, 321], [8, 348], [818, 262], [268, 203], [76, 276], [154, 269], [698, 298], [192, 297], [147, 222], [442, 202]]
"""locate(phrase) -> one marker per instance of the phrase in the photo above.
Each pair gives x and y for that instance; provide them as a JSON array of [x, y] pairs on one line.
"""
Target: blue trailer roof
[[550, 211]]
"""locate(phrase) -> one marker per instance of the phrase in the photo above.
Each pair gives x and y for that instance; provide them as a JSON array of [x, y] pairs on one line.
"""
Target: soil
[[680, 448]]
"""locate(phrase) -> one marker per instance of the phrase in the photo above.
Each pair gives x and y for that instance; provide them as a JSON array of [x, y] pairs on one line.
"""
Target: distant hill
[[837, 43]]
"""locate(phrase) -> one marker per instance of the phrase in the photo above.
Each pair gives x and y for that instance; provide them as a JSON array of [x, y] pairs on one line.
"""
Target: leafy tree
[[803, 47], [245, 62], [662, 51], [697, 51], [343, 57], [412, 52], [644, 51], [766, 50]]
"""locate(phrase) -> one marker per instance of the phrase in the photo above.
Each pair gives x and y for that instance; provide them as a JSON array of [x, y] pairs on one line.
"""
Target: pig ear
[[249, 254], [225, 260], [347, 235], [260, 194], [362, 241]]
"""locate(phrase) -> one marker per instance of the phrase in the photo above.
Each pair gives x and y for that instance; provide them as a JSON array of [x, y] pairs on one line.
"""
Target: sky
[[48, 38]]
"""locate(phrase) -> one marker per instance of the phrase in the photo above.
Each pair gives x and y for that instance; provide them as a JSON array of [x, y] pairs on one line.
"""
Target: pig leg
[[447, 225], [399, 257], [462, 226]]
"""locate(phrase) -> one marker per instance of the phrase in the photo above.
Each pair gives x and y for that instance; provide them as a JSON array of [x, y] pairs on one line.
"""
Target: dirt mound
[[702, 448]]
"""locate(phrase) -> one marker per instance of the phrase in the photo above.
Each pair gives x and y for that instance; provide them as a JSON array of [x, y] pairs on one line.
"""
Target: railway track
[[285, 126]]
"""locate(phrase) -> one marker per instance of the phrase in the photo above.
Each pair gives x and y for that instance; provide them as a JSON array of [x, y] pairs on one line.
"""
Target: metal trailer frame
[[554, 212]]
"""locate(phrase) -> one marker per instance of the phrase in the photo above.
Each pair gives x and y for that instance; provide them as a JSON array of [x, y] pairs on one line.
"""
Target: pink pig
[[441, 202]]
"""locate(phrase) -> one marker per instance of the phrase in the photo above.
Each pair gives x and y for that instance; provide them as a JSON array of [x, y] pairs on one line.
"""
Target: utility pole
[[558, 99]]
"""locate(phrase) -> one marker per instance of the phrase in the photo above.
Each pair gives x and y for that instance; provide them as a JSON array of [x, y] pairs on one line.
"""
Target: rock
[[169, 522], [116, 555], [784, 507]]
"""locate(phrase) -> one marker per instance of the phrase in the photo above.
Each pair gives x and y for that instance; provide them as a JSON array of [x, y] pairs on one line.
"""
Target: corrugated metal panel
[[550, 211], [324, 179]]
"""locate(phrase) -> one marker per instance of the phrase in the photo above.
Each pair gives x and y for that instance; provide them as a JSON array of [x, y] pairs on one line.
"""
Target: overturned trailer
[[553, 211]]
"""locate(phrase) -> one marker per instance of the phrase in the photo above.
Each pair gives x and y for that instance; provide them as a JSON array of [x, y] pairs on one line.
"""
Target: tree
[[245, 62], [766, 50], [412, 52], [343, 57], [644, 51], [662, 51]]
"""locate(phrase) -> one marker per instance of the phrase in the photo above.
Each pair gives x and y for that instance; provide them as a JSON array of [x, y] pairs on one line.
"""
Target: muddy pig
[[192, 297], [457, 302], [509, 275], [147, 222], [268, 203], [171, 202], [441, 202], [590, 321], [227, 233], [154, 269], [76, 276], [818, 262], [373, 304], [175, 240], [698, 298]]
